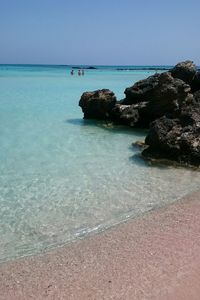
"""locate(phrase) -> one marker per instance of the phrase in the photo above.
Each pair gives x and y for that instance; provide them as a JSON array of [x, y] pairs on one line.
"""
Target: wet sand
[[155, 256]]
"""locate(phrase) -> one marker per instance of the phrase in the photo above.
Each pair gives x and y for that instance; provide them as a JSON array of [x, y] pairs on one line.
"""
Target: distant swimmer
[[83, 73], [79, 72], [72, 72]]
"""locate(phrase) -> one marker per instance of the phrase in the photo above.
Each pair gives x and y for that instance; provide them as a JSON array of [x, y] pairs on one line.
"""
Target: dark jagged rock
[[97, 104], [197, 96], [161, 94], [190, 115], [142, 90], [157, 138], [195, 84], [176, 139], [157, 88], [125, 114], [185, 71]]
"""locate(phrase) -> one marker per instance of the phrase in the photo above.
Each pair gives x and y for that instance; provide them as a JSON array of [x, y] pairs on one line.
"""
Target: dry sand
[[156, 256]]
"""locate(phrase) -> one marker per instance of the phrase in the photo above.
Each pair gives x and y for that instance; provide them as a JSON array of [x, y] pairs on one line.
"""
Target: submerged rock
[[97, 104]]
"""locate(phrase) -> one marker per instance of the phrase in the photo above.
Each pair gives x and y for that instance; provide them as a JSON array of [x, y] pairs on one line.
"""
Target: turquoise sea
[[62, 177]]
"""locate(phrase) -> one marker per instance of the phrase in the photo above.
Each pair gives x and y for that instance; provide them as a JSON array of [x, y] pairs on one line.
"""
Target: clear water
[[62, 177]]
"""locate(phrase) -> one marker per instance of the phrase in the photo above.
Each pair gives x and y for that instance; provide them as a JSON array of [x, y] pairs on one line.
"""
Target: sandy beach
[[99, 150], [155, 256]]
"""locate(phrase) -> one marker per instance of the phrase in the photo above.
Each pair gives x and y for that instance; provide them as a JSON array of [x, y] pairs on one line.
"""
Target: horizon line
[[88, 65]]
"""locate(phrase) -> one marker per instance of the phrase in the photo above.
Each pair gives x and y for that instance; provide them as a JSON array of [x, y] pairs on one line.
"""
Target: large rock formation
[[97, 104], [168, 103], [178, 137]]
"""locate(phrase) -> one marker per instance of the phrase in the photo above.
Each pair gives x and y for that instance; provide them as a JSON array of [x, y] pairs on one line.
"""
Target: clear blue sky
[[90, 32]]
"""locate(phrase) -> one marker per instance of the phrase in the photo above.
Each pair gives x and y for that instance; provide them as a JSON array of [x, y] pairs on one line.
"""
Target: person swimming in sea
[[79, 72], [72, 72]]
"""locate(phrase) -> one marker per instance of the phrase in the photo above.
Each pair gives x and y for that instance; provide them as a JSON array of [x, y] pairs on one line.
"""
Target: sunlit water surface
[[62, 177]]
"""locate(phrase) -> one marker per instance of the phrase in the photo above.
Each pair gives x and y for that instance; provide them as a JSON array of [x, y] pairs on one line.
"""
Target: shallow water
[[62, 177]]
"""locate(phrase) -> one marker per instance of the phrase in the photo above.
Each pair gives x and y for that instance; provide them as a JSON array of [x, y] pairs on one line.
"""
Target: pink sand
[[156, 256]]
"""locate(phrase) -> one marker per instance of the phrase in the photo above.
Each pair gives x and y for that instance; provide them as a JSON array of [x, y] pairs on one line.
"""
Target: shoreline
[[153, 256], [98, 229]]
